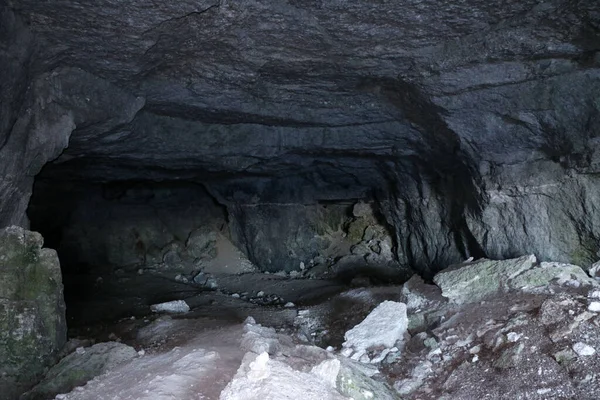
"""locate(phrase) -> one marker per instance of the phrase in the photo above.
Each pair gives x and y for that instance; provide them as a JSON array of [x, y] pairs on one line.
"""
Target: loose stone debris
[[513, 329]]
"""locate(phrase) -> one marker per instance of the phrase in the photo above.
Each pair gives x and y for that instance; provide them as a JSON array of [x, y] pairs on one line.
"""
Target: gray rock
[[202, 243], [353, 382], [417, 295], [471, 282], [472, 126], [79, 367], [546, 273], [32, 319]]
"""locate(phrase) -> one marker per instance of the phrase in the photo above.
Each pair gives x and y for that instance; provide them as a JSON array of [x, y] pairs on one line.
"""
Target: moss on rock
[[32, 309]]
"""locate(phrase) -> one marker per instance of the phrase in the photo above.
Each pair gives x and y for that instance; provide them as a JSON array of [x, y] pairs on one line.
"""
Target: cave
[[170, 149]]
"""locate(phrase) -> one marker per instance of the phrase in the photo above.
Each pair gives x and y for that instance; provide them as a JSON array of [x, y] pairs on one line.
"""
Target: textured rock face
[[32, 310], [474, 126], [79, 367]]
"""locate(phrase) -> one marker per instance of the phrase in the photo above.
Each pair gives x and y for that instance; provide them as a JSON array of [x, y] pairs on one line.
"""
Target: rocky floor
[[514, 329]]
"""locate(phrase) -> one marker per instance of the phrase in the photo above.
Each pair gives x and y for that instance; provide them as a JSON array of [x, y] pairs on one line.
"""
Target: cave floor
[[98, 301], [508, 345]]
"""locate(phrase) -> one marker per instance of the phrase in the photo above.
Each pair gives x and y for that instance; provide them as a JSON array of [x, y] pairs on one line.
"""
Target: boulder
[[471, 282], [202, 243], [384, 326], [540, 277], [32, 310], [79, 367]]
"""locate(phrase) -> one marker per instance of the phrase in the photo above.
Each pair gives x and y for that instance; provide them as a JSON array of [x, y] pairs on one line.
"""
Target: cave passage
[[126, 245], [202, 141]]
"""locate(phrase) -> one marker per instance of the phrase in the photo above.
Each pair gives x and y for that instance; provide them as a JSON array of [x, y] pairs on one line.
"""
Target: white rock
[[513, 336], [594, 306], [594, 270], [80, 350], [260, 294], [289, 305], [302, 266], [347, 352], [381, 356], [594, 294], [384, 326], [142, 352], [175, 307], [261, 378], [583, 349], [235, 295], [328, 370], [259, 368]]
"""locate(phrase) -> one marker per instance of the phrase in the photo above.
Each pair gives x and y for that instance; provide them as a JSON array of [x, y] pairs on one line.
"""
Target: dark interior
[[469, 129]]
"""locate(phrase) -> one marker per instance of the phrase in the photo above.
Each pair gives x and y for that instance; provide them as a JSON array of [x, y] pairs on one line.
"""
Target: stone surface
[[79, 367], [549, 272], [511, 345], [470, 282], [583, 349], [32, 310], [384, 326], [474, 127], [171, 307]]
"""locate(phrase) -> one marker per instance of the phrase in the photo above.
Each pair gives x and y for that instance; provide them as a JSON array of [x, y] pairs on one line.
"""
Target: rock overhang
[[431, 109]]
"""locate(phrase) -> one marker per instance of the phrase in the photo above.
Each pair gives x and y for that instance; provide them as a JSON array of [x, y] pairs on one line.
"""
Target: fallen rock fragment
[[583, 349], [471, 282], [384, 326], [540, 277], [172, 307], [79, 367]]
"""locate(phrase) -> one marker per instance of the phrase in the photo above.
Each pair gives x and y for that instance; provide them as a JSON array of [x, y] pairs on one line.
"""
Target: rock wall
[[473, 127], [32, 310], [98, 229]]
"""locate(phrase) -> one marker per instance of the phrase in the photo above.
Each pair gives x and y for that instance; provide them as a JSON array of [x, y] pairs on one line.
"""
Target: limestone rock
[[418, 295], [384, 326], [355, 382], [202, 243], [172, 307], [32, 309], [551, 272], [79, 367], [262, 378], [471, 282], [583, 349]]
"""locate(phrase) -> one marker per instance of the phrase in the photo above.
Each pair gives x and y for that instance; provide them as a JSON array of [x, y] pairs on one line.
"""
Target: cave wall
[[473, 128], [98, 228]]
